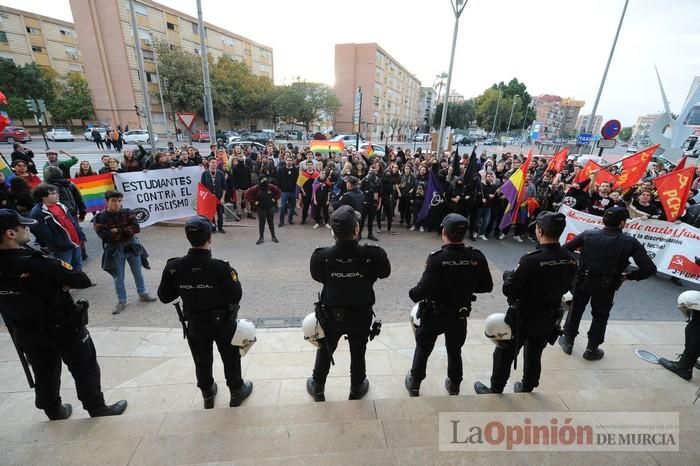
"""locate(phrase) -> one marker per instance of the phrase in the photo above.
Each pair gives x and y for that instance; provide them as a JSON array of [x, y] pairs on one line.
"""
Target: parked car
[[59, 134], [490, 142], [348, 139], [632, 149], [88, 133], [247, 143], [261, 137], [465, 140], [201, 135], [12, 134], [227, 136], [378, 150], [137, 135]]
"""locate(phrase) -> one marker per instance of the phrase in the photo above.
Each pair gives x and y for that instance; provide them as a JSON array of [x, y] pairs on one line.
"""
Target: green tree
[[487, 103], [16, 108], [459, 115], [303, 102], [29, 81], [626, 133], [181, 78], [74, 100], [231, 82]]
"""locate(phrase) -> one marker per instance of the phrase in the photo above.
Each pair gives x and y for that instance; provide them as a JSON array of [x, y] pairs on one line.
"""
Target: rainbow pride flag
[[6, 170], [326, 147], [93, 189], [514, 191]]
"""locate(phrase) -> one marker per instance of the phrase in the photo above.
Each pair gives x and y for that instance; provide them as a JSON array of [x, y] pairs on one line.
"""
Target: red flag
[[4, 121], [681, 164], [3, 99], [206, 202], [603, 176], [558, 161], [634, 167], [673, 190]]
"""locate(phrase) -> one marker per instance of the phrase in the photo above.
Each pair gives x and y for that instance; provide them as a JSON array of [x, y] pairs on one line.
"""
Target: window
[[247, 52], [151, 77], [228, 41], [67, 32], [31, 30], [376, 100], [171, 26], [140, 9], [263, 68], [148, 55], [145, 36], [3, 36], [195, 28], [36, 48], [72, 52], [196, 50], [75, 67]]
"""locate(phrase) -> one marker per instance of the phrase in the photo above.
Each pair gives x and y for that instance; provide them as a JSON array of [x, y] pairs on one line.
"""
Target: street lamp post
[[512, 107], [208, 106], [457, 8], [495, 116], [142, 78]]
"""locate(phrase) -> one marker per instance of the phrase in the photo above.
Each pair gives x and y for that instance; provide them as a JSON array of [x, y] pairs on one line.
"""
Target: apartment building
[[428, 105], [109, 56], [31, 38], [557, 116], [582, 123], [391, 94], [640, 130]]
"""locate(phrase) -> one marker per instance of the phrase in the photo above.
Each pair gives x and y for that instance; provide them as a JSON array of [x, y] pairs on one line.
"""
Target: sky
[[553, 46]]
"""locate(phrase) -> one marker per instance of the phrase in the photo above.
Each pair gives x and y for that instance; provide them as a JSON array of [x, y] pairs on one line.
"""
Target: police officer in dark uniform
[[45, 322], [210, 292], [451, 277], [352, 197], [371, 187], [348, 271], [534, 291], [604, 257]]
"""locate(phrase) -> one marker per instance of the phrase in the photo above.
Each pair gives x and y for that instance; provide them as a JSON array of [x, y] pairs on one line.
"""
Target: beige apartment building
[[390, 93], [558, 116], [109, 56], [31, 38]]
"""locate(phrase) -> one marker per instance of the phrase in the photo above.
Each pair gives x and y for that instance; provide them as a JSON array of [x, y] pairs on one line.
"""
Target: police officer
[[452, 275], [348, 271], [46, 323], [210, 293], [689, 305], [604, 257], [534, 291], [352, 197], [371, 187]]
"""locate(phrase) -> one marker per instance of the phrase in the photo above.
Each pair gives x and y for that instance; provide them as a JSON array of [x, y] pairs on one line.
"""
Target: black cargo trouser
[[202, 335], [601, 297], [455, 330], [503, 357], [691, 353], [368, 213], [357, 331], [78, 353]]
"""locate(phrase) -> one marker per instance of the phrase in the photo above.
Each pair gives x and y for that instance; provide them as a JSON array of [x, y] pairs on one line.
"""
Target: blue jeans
[[120, 260], [72, 256], [287, 202], [484, 219]]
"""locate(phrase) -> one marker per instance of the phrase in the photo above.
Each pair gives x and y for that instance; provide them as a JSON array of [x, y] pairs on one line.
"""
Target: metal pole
[[359, 121], [208, 105], [589, 124], [457, 8], [498, 104], [160, 92], [142, 78], [511, 112]]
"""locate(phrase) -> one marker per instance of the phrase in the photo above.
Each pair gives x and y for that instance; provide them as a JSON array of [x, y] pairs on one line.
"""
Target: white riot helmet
[[496, 329], [566, 301], [414, 319], [313, 333], [689, 301], [244, 336]]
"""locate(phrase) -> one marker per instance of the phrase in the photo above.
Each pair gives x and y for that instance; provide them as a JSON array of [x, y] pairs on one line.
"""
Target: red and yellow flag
[[603, 175], [304, 177], [673, 190], [558, 161], [634, 167]]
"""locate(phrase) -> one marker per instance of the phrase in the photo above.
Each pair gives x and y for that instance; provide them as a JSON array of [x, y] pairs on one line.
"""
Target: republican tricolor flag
[[514, 191]]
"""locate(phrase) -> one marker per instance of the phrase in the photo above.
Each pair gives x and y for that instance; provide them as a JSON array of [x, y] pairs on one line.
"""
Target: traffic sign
[[611, 129], [607, 143], [186, 118], [584, 138]]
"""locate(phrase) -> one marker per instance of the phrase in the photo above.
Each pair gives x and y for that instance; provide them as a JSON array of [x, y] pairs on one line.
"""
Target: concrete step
[[386, 431]]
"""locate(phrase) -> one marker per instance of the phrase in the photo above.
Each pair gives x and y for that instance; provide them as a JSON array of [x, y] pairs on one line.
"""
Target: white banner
[[157, 195], [672, 246]]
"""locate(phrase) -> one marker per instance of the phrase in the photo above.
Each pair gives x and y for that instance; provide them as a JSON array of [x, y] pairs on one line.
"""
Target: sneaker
[[520, 387], [566, 343], [112, 410], [474, 236], [685, 374], [372, 238], [275, 240], [147, 298], [291, 222], [593, 354], [412, 388], [316, 225], [221, 230], [209, 396], [260, 241], [483, 237], [315, 390], [501, 236], [119, 308], [518, 239], [697, 364], [379, 230], [328, 225], [251, 216], [359, 391], [413, 228], [240, 394], [392, 232], [481, 389], [422, 229], [280, 225]]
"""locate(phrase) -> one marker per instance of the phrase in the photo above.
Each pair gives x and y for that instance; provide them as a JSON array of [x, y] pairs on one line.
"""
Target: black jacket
[[287, 179], [354, 199], [451, 277]]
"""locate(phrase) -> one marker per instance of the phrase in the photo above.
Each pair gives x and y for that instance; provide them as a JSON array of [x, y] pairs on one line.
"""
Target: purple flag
[[433, 195]]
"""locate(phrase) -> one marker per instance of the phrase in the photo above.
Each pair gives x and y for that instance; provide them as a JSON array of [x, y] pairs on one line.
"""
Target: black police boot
[[566, 343], [593, 354], [451, 387], [481, 389], [112, 410], [359, 391], [63, 412], [697, 364], [241, 393], [685, 374], [520, 387], [209, 396], [315, 389], [412, 387]]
